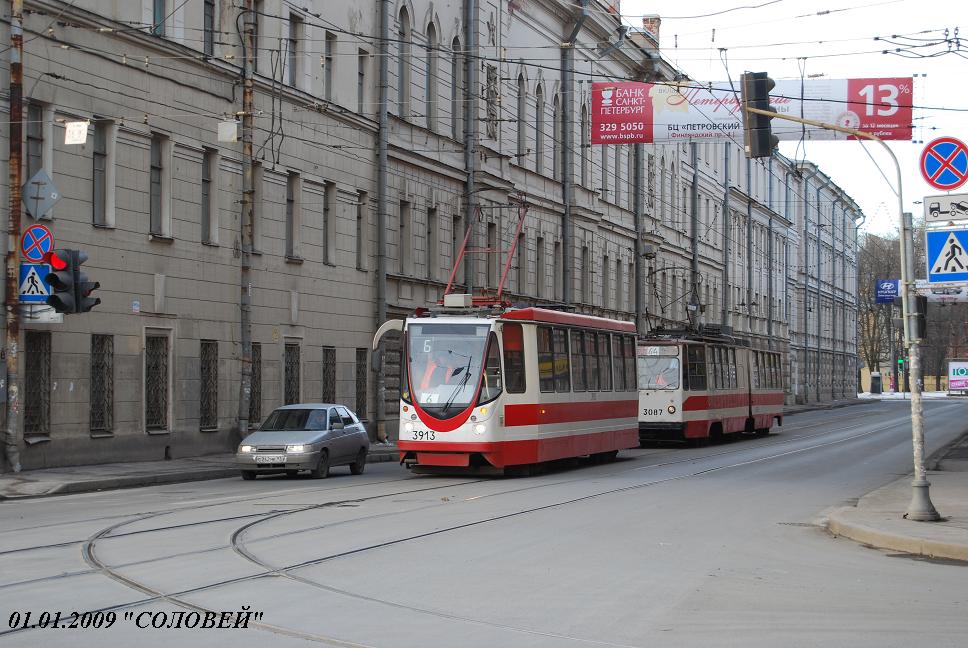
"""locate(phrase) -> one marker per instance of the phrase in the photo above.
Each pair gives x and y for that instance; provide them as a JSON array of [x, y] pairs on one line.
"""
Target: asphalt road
[[668, 546]]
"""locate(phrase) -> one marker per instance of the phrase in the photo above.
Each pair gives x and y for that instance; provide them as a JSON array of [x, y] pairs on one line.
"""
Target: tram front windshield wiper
[[460, 386]]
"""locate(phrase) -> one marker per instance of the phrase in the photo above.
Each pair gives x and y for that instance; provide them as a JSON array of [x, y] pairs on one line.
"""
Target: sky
[[834, 39]]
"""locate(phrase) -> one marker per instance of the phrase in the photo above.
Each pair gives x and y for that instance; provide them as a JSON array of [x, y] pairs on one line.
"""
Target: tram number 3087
[[651, 412]]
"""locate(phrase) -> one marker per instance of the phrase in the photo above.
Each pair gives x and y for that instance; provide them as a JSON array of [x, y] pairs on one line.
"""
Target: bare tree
[[878, 258]]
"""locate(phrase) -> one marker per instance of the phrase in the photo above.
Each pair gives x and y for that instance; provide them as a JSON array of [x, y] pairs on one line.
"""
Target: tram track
[[238, 545]]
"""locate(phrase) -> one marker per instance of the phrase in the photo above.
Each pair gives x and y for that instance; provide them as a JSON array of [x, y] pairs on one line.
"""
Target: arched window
[[403, 64], [618, 174], [456, 91], [631, 177], [430, 82], [584, 145], [539, 130], [663, 189], [522, 119], [605, 178], [555, 139]]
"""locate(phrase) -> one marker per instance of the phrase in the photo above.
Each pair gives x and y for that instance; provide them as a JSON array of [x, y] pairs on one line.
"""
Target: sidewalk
[[83, 479], [878, 520], [826, 405]]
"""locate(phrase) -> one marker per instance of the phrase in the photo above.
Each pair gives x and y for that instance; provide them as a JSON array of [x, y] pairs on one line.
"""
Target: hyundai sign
[[887, 291]]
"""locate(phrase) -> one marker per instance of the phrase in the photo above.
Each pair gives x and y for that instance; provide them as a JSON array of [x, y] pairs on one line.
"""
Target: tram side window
[[577, 361], [732, 367], [755, 370], [591, 361], [605, 360], [559, 338], [720, 368], [491, 388], [514, 378], [696, 357], [631, 369], [546, 360], [618, 365]]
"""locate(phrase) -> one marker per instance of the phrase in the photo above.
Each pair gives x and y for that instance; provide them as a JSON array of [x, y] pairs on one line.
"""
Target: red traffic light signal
[[71, 289]]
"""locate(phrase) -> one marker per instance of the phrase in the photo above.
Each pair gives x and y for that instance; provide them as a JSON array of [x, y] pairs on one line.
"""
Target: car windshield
[[445, 362], [658, 372], [282, 420]]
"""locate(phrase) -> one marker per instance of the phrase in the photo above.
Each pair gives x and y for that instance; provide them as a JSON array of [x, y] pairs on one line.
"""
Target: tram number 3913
[[423, 435]]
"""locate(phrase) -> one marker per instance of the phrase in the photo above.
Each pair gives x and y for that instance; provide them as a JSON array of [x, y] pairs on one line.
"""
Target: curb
[[884, 540], [384, 454], [801, 409]]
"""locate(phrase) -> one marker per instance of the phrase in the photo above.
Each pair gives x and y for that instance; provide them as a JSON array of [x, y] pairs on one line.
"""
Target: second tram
[[503, 387], [706, 387]]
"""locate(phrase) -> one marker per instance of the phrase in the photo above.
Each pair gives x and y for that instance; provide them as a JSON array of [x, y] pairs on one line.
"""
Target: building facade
[[385, 133]]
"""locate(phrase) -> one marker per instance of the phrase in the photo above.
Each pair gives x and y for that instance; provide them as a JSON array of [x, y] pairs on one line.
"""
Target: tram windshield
[[445, 363], [658, 372]]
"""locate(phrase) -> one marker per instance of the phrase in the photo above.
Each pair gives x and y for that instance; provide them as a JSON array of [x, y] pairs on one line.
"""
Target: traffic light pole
[[920, 509], [12, 433]]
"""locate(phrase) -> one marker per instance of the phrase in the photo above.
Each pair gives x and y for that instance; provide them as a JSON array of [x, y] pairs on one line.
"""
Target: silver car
[[307, 436]]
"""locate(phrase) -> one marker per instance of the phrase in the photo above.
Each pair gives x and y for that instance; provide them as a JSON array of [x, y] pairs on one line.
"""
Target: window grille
[[102, 383], [255, 393], [292, 364], [156, 382], [208, 389], [37, 383], [361, 376], [329, 375]]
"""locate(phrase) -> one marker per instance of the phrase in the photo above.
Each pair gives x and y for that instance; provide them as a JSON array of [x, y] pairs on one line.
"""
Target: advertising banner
[[629, 112], [957, 375], [887, 290]]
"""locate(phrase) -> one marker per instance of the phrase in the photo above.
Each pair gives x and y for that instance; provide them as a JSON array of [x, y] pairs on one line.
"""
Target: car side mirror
[[337, 426]]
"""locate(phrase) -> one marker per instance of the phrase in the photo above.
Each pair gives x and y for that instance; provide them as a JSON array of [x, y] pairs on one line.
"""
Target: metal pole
[[245, 279], [749, 245], [12, 436], [694, 300], [727, 320], [471, 129], [567, 136], [383, 134]]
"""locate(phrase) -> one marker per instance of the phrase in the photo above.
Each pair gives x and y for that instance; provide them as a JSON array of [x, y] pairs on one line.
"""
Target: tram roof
[[568, 319]]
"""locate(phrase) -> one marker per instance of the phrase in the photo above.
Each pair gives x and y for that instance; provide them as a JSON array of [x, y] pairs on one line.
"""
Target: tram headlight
[[408, 427], [480, 428], [671, 409]]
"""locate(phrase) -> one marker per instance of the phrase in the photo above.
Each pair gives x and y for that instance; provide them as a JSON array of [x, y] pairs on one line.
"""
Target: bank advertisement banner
[[630, 112], [957, 375]]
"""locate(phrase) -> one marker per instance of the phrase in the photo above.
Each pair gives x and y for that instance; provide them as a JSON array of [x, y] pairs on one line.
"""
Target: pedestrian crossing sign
[[947, 256], [33, 284]]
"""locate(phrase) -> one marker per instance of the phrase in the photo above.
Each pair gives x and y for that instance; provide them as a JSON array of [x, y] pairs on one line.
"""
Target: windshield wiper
[[460, 386]]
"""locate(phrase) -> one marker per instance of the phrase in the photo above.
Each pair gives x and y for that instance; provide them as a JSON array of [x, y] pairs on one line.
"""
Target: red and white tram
[[702, 387], [506, 387]]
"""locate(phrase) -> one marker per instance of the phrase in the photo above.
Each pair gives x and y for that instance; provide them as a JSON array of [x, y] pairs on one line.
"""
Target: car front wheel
[[321, 471], [248, 475]]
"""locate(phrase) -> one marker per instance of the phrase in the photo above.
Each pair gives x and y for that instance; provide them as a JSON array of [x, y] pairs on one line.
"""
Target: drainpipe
[[819, 273], [833, 290], [727, 318], [13, 431], [769, 264], [383, 138], [805, 242], [471, 130], [638, 200], [568, 146], [694, 207], [749, 246]]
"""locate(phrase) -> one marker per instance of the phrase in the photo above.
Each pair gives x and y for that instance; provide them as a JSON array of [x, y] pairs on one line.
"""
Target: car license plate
[[270, 458]]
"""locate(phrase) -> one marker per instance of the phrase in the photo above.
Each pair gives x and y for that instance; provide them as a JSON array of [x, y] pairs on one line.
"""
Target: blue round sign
[[36, 242], [944, 163]]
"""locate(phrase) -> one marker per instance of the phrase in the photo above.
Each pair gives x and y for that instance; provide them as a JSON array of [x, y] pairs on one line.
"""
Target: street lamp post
[[920, 509]]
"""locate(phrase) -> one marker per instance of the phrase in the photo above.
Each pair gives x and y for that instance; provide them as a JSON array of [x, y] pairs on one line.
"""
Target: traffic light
[[900, 364], [71, 289], [757, 134], [920, 317], [61, 280]]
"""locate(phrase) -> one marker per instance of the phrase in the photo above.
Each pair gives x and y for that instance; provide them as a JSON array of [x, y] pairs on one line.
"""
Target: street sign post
[[945, 209], [944, 163], [36, 242], [946, 255]]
